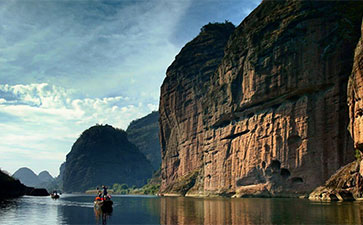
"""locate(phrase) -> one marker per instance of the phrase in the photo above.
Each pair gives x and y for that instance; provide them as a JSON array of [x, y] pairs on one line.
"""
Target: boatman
[[104, 191]]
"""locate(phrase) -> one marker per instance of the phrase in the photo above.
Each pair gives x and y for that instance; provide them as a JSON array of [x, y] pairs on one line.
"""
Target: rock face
[[344, 185], [181, 124], [102, 155], [144, 133], [271, 119], [27, 177]]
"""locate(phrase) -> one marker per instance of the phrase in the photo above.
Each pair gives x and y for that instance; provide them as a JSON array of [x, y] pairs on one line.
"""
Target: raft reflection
[[101, 216], [257, 211]]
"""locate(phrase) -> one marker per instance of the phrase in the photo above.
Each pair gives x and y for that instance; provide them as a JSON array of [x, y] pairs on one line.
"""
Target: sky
[[66, 65]]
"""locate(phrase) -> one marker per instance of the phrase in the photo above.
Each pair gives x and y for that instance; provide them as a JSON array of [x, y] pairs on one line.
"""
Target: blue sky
[[66, 65]]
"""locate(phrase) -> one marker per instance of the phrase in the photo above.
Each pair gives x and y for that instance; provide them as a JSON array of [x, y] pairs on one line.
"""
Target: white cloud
[[97, 48], [43, 120]]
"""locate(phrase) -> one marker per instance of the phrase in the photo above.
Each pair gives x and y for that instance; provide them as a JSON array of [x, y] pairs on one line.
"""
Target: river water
[[78, 209]]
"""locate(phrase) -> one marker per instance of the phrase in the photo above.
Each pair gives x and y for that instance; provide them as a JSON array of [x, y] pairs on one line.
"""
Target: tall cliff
[[144, 133], [102, 155], [272, 118], [180, 108]]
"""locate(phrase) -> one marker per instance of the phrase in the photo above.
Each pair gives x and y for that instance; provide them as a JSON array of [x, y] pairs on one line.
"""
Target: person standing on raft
[[104, 191]]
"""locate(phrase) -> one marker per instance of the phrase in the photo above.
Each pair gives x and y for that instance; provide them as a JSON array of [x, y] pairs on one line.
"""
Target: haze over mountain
[[27, 177], [44, 176]]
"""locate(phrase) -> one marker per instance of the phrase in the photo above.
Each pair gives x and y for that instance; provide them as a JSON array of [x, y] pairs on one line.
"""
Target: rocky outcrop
[[272, 119], [102, 155], [344, 185], [144, 133], [36, 191]]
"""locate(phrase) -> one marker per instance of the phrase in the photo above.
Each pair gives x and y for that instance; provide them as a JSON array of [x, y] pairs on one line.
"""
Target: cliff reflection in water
[[258, 211]]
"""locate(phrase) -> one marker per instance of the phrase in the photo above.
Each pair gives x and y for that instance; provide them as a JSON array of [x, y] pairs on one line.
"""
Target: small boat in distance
[[54, 195]]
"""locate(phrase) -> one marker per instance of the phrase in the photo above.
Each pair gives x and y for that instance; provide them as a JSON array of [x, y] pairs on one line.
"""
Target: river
[[78, 209]]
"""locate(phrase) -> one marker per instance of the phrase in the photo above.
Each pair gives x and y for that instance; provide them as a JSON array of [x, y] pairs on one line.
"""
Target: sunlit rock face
[[272, 119], [181, 110], [355, 97]]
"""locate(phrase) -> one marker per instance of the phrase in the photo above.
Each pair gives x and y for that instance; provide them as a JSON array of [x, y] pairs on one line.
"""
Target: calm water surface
[[78, 209]]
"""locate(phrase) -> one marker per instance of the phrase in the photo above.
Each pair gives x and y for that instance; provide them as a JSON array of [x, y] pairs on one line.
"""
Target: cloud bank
[[42, 121]]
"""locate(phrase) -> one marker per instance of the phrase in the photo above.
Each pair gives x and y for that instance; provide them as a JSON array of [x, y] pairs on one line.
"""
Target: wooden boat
[[105, 205], [54, 196]]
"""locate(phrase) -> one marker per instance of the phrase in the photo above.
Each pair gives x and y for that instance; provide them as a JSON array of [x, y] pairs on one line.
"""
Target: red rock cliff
[[180, 101], [272, 118]]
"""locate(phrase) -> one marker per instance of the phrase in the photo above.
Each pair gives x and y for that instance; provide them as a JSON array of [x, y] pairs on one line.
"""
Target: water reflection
[[73, 209], [101, 216], [258, 211]]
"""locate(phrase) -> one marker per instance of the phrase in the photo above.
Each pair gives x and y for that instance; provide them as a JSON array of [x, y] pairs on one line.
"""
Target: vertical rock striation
[[181, 122], [272, 119]]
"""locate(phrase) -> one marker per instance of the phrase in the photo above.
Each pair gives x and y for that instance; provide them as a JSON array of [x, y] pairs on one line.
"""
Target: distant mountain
[[103, 155], [27, 177], [144, 133], [45, 177]]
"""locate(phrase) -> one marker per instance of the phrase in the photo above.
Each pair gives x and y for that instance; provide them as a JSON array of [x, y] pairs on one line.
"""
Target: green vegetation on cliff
[[102, 155]]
